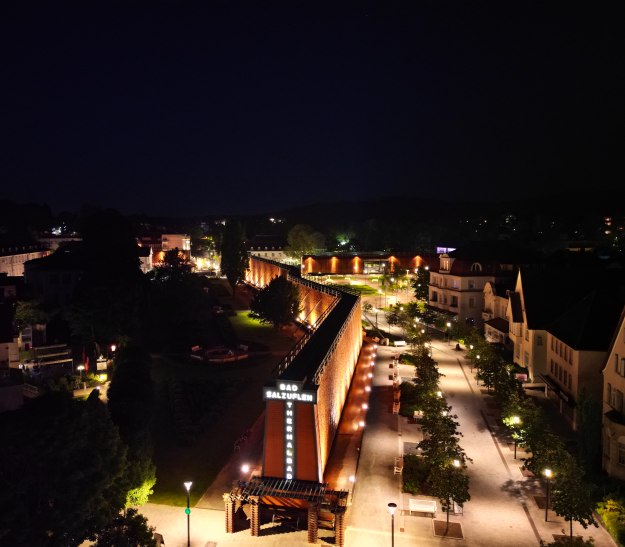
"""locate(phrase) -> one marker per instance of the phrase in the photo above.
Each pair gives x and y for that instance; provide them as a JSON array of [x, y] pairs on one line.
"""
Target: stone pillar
[[313, 522], [255, 517], [339, 529], [229, 503]]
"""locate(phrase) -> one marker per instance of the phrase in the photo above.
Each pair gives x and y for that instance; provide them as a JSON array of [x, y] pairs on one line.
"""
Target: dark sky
[[228, 107]]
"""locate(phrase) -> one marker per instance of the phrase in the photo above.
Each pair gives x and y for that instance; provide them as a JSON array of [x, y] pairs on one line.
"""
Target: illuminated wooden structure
[[303, 407], [360, 263]]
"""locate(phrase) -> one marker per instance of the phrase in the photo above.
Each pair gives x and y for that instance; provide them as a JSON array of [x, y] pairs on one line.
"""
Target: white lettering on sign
[[290, 392], [289, 396]]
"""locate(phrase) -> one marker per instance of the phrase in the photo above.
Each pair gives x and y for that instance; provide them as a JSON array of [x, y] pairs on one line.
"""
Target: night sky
[[181, 108]]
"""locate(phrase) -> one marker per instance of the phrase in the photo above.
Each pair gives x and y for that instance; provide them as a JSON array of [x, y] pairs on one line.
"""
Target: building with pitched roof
[[613, 411], [457, 283], [496, 300], [14, 254], [540, 296], [577, 344]]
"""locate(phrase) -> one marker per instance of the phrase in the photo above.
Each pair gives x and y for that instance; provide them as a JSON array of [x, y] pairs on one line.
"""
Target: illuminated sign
[[290, 393], [444, 250]]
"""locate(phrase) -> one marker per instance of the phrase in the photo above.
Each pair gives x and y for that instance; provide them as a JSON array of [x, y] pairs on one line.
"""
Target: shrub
[[612, 513], [415, 474]]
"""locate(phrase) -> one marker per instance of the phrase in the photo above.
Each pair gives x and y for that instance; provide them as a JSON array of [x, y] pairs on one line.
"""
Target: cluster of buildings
[[48, 271], [563, 324]]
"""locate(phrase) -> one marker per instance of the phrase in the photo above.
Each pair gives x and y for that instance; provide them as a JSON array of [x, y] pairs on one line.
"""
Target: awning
[[553, 386]]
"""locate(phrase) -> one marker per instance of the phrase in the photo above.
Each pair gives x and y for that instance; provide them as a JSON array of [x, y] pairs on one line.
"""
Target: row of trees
[[444, 460], [572, 496]]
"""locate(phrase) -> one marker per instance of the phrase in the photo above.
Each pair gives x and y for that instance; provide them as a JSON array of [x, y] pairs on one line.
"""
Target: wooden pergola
[[288, 495]]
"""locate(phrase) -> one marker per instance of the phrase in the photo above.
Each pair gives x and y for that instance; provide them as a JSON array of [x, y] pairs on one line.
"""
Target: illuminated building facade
[[304, 405]]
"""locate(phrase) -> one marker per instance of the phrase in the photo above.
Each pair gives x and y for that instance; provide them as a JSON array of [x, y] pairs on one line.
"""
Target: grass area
[[362, 289], [223, 401], [251, 329]]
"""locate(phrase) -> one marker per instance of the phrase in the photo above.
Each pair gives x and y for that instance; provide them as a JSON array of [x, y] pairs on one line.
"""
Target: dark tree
[[61, 468], [131, 402], [589, 432], [129, 530], [278, 303], [450, 484], [234, 260], [303, 239], [572, 497], [421, 283], [108, 302]]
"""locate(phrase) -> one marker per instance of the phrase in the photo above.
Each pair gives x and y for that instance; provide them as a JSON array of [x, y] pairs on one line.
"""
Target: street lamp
[[515, 421], [448, 332], [548, 474], [392, 507], [187, 485], [80, 368]]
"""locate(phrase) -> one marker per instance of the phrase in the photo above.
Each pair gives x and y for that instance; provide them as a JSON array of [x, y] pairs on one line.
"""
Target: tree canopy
[[278, 303], [61, 470], [234, 260], [303, 239]]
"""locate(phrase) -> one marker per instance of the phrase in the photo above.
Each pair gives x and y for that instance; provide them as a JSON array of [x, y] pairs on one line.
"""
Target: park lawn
[[201, 459], [255, 331], [234, 391]]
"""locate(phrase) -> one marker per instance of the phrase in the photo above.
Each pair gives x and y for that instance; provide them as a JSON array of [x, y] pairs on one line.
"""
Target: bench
[[399, 466], [422, 506]]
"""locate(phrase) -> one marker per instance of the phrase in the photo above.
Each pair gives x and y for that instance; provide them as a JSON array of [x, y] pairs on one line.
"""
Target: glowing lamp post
[[548, 474], [187, 485], [80, 368], [448, 332], [392, 507]]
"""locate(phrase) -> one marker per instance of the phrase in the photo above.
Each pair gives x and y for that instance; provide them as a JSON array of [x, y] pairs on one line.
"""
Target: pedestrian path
[[503, 508]]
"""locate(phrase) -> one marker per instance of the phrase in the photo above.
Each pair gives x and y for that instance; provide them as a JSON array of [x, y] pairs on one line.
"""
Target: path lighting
[[548, 474], [80, 368], [245, 468], [392, 507], [439, 393], [367, 388], [471, 346], [361, 423], [352, 479], [447, 332], [456, 463], [365, 406], [187, 485], [370, 375]]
